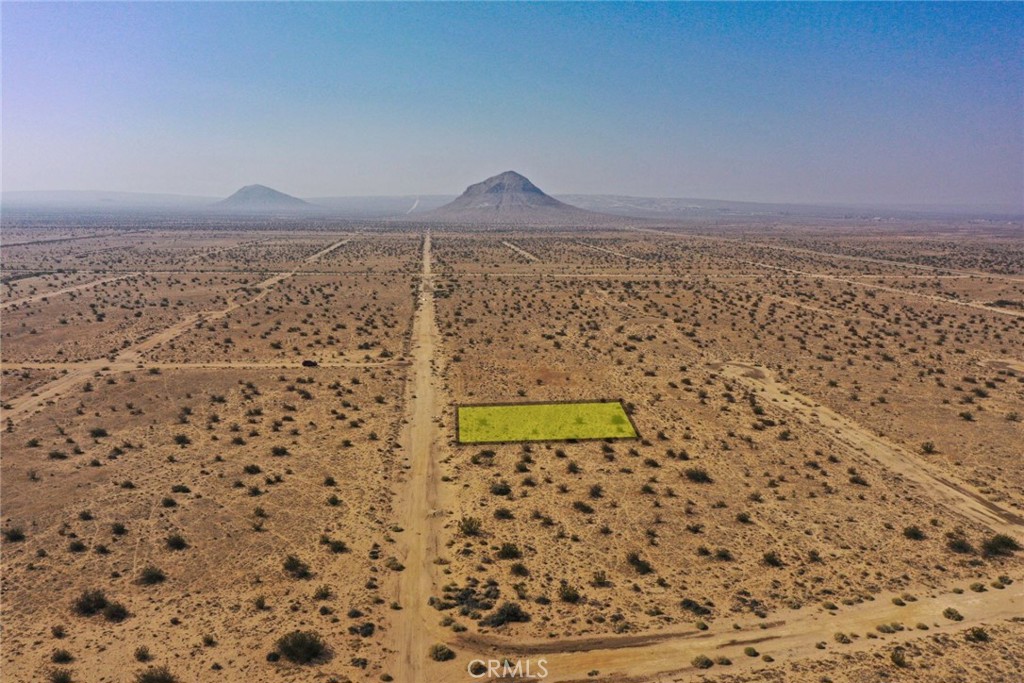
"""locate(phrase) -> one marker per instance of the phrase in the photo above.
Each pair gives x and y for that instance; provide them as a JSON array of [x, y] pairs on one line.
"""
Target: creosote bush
[[301, 647], [156, 674], [999, 544], [441, 652], [508, 612], [90, 602], [702, 662]]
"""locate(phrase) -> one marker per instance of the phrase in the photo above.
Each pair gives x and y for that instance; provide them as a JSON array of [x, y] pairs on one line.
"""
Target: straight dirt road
[[651, 656], [410, 635]]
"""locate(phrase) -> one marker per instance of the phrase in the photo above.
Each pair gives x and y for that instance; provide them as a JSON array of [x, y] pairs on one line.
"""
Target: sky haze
[[894, 103]]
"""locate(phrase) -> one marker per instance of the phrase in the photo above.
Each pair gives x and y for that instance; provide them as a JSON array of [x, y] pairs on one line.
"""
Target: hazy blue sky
[[883, 103]]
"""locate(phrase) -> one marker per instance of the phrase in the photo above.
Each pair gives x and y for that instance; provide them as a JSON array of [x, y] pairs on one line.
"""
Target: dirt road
[[66, 290], [415, 627], [519, 250], [955, 495], [23, 406], [667, 656]]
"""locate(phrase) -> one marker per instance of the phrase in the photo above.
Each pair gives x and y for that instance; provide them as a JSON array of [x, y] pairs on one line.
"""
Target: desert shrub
[[176, 542], [469, 526], [702, 662], [691, 605], [958, 544], [999, 544], [568, 593], [60, 676], [509, 551], [697, 475], [156, 674], [301, 647], [772, 559], [580, 506], [977, 635], [151, 575], [508, 612], [61, 656], [641, 565], [296, 567], [142, 654], [898, 657], [115, 612], [914, 533], [952, 614], [750, 652], [501, 488], [90, 602], [14, 534], [723, 555], [441, 652]]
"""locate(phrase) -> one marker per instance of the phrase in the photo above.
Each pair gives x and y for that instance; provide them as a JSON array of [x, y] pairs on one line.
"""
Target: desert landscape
[[214, 439], [416, 342]]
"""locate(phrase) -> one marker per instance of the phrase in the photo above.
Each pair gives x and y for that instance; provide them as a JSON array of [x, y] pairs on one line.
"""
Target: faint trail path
[[894, 290], [22, 406], [415, 627], [847, 257], [519, 250], [207, 254], [66, 290], [955, 495], [610, 251], [666, 656], [72, 239]]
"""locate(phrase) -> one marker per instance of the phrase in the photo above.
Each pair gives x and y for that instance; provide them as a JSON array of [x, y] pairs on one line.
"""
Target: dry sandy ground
[[802, 372]]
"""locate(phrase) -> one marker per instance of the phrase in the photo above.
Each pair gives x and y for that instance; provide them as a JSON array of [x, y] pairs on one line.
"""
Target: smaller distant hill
[[260, 198]]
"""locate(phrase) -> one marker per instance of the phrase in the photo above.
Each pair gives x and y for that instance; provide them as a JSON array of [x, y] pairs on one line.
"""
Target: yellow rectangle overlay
[[513, 422]]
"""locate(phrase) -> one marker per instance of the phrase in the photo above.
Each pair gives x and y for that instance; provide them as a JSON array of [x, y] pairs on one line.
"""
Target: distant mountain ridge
[[582, 208]]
